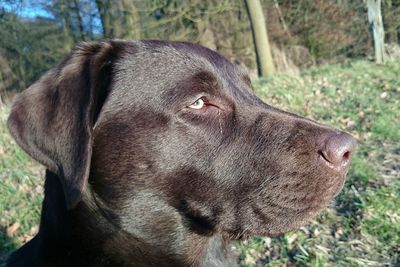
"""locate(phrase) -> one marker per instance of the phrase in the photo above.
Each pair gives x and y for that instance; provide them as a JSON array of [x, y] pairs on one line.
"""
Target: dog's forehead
[[148, 70], [178, 59]]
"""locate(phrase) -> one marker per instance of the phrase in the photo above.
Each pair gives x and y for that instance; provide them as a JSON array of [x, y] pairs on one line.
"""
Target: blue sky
[[25, 9], [31, 9]]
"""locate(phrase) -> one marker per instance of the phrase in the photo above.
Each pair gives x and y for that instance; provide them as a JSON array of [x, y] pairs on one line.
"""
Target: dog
[[159, 153]]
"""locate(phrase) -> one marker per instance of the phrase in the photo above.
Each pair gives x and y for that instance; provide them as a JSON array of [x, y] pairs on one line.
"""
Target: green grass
[[20, 192], [360, 228]]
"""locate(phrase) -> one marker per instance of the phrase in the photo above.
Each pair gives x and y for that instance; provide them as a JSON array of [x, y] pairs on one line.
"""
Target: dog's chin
[[294, 223], [285, 224], [339, 187], [327, 195], [292, 219], [268, 232], [306, 217], [276, 228]]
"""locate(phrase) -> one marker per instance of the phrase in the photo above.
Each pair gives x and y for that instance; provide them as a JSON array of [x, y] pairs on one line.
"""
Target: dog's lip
[[341, 168], [291, 227], [277, 235], [339, 186]]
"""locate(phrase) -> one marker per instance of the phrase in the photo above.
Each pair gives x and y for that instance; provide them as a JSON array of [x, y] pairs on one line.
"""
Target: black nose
[[337, 149]]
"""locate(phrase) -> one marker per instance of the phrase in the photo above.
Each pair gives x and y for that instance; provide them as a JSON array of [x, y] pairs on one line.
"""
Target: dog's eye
[[198, 104]]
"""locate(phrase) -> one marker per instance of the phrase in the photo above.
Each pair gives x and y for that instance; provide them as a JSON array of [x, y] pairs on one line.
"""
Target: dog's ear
[[53, 119]]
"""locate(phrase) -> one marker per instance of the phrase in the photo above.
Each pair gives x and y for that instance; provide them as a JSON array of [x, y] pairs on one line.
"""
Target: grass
[[20, 193], [360, 228]]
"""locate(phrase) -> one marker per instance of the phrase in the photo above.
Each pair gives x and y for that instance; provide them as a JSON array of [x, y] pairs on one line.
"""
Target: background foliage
[[37, 34], [323, 52]]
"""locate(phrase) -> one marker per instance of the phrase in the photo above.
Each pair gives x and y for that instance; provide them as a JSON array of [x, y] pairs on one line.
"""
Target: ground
[[361, 227]]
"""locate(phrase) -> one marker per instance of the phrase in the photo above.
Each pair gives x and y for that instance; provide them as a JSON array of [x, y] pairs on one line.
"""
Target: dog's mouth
[[299, 215], [338, 187], [325, 196], [288, 218]]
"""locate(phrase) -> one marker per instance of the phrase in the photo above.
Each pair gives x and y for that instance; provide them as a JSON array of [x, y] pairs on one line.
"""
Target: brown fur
[[135, 177]]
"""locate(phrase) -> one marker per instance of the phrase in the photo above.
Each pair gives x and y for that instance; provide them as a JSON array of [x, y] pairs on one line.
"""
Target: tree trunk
[[68, 42], [131, 20], [376, 28], [80, 22], [104, 10], [263, 50], [206, 35], [120, 19], [7, 78]]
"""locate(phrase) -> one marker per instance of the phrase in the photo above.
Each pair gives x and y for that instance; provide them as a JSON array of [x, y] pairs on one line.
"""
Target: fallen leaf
[[34, 230], [12, 229]]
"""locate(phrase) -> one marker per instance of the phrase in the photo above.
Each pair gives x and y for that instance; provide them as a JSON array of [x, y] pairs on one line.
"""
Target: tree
[[376, 29], [260, 37], [7, 77], [120, 18]]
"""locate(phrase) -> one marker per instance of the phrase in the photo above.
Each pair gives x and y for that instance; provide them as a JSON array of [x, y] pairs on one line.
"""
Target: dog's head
[[168, 133]]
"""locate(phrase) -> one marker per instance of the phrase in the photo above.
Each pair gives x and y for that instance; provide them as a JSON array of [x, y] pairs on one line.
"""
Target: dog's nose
[[337, 149]]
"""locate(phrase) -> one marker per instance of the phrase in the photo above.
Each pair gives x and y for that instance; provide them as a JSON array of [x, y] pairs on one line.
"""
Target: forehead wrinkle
[[200, 84], [231, 79], [174, 68]]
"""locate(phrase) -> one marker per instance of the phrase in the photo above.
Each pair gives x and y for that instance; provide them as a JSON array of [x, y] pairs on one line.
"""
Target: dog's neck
[[54, 245], [95, 241]]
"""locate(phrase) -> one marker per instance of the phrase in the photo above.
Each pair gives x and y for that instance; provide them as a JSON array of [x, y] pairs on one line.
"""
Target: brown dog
[[159, 153]]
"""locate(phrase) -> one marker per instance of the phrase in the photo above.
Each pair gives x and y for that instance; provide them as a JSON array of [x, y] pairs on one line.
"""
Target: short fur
[[135, 177]]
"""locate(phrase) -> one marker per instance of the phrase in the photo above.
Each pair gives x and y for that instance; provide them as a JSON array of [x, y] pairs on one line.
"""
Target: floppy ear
[[53, 119]]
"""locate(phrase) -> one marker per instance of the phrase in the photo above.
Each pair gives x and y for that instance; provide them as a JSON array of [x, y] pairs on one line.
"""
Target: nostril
[[346, 156], [337, 149], [321, 153]]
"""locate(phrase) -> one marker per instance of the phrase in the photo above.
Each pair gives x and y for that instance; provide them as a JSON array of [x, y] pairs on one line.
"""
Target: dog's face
[[169, 134]]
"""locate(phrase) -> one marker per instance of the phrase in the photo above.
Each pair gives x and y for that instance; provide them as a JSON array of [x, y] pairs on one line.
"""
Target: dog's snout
[[337, 149]]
